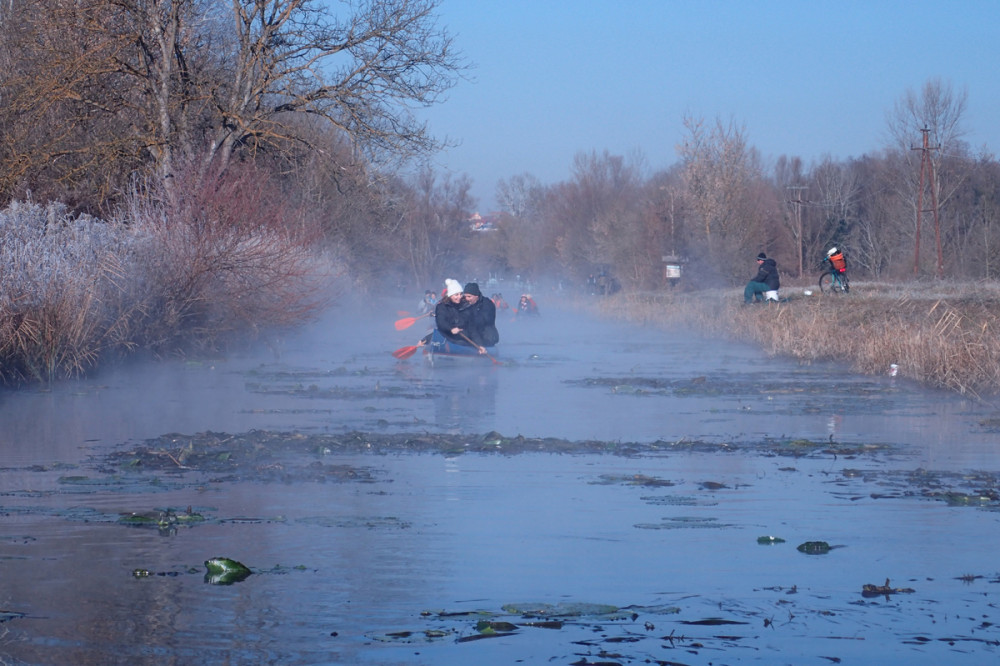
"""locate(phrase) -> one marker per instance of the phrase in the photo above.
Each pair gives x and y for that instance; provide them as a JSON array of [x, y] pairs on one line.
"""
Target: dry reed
[[941, 334]]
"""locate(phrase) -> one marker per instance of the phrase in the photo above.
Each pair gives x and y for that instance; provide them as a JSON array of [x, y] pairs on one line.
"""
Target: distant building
[[484, 223]]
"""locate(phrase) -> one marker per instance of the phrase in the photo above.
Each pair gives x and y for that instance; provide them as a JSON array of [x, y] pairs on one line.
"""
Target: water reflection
[[468, 402]]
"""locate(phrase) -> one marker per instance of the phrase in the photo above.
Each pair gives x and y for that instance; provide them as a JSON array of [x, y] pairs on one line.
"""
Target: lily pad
[[225, 571], [770, 540], [814, 548]]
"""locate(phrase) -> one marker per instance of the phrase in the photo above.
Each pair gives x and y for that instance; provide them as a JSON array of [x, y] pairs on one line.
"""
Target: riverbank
[[942, 334]]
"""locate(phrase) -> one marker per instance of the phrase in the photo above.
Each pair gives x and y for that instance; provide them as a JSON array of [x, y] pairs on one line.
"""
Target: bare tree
[[833, 209], [792, 193], [519, 195], [720, 174], [931, 118], [597, 215], [188, 83]]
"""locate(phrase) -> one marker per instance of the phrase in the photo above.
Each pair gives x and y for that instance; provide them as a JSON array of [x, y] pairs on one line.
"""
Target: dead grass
[[941, 334]]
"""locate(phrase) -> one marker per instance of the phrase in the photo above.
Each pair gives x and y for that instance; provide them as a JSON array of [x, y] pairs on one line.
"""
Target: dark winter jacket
[[448, 316], [480, 320], [768, 274]]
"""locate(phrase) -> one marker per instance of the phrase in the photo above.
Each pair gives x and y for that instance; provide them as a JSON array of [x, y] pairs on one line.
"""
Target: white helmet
[[832, 251]]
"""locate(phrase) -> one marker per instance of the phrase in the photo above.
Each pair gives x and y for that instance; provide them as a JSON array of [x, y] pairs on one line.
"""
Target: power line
[[927, 166]]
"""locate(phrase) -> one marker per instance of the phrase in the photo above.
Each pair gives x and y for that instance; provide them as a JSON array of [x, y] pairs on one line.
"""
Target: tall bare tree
[[721, 172], [187, 83], [926, 125]]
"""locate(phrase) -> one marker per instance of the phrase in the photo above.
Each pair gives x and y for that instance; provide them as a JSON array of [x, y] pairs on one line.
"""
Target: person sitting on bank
[[766, 280], [480, 318], [451, 321]]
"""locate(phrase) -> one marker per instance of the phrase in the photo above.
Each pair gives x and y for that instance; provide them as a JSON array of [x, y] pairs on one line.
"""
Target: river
[[640, 545]]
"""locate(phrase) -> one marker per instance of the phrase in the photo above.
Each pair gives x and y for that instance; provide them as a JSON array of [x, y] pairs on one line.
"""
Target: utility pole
[[798, 202], [927, 167]]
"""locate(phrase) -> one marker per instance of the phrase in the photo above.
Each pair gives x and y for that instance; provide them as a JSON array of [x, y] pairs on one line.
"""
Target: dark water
[[640, 557]]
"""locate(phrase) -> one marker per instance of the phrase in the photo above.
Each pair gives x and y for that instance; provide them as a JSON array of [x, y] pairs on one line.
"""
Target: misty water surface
[[361, 572]]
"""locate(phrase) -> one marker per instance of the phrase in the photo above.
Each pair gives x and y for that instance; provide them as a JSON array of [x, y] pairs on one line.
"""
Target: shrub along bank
[[76, 289]]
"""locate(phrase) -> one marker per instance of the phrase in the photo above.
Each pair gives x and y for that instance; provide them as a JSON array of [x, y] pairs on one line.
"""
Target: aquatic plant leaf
[[768, 540], [225, 571], [814, 548], [494, 626]]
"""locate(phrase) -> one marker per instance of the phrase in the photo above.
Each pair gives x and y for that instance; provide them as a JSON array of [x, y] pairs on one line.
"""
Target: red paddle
[[406, 352], [407, 322]]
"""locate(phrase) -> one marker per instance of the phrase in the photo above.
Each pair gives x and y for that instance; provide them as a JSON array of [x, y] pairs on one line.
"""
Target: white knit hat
[[453, 287]]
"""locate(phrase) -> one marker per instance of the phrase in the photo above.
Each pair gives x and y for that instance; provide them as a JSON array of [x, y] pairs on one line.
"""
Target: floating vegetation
[[632, 480], [409, 637], [769, 540], [677, 500], [276, 456], [799, 387], [162, 518], [868, 590], [565, 610], [354, 522], [814, 548], [978, 489], [225, 571], [684, 522]]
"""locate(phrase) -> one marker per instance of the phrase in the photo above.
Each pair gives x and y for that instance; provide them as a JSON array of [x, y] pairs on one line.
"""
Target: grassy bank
[[941, 334]]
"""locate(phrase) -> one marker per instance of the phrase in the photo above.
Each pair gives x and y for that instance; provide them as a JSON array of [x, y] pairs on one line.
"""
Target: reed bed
[[942, 334]]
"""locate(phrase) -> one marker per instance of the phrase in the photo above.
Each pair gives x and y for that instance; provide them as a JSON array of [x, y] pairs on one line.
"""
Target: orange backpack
[[838, 262]]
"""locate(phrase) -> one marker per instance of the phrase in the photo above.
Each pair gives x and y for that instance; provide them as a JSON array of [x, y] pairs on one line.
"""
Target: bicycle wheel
[[826, 283]]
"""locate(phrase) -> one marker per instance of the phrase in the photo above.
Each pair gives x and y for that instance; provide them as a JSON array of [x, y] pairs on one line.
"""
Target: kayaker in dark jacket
[[448, 314], [480, 318], [765, 280]]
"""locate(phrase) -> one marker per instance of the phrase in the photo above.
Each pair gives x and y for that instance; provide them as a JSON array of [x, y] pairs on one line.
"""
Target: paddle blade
[[405, 352], [405, 322]]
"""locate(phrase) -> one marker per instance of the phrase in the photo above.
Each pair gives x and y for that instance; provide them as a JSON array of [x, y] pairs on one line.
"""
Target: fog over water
[[562, 375], [342, 570]]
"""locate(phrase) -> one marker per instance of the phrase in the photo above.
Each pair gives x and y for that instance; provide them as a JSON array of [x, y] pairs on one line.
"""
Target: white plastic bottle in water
[[893, 370]]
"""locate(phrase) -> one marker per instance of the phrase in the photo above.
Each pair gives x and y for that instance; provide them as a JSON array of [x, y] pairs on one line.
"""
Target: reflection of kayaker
[[527, 305]]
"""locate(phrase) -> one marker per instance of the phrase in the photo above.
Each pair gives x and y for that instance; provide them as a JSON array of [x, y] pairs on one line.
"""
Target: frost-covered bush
[[63, 290], [75, 288]]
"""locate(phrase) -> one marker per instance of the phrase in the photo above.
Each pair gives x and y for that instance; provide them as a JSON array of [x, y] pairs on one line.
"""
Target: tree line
[[213, 124], [902, 211]]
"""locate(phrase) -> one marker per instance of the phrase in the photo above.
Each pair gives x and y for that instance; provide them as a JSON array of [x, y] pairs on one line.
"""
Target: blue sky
[[553, 78]]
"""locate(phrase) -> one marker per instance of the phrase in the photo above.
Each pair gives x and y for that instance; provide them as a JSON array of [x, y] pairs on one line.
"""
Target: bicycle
[[834, 282]]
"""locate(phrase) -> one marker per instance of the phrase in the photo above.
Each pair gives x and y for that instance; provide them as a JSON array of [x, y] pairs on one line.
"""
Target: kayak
[[441, 347]]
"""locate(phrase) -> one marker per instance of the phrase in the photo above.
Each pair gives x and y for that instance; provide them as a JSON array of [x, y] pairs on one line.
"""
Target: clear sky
[[805, 78]]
